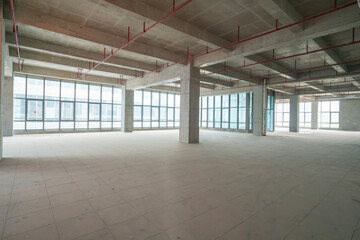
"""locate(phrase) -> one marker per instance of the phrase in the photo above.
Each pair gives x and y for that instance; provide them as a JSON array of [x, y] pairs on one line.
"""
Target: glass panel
[[286, 107], [325, 117], [19, 87], [170, 114], [242, 99], [34, 125], [163, 114], [81, 125], [334, 117], [233, 115], [67, 125], [117, 112], [94, 93], [225, 115], [211, 102], [204, 115], [163, 99], [146, 113], [94, 112], [67, 91], [137, 124], [137, 113], [147, 98], [52, 110], [210, 115], [217, 101], [117, 95], [35, 110], [233, 100], [138, 97], [335, 106], [106, 94], [67, 111], [171, 100], [155, 99], [308, 107], [81, 111], [204, 102], [325, 106], [51, 125], [82, 92], [19, 109], [52, 90], [106, 112], [35, 88], [177, 100], [105, 124], [116, 124], [19, 125], [94, 125], [225, 101], [155, 114]]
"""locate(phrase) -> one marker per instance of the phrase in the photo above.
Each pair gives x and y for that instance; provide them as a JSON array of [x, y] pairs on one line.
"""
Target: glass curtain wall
[[329, 114], [225, 111], [282, 115], [45, 104], [156, 109], [305, 114], [270, 105]]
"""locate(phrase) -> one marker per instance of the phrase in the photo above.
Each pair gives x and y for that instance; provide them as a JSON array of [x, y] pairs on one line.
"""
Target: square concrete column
[[189, 104], [259, 111], [314, 114], [294, 113], [248, 116], [8, 103], [127, 110]]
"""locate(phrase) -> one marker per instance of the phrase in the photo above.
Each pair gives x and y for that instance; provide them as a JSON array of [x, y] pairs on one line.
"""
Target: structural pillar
[[294, 113], [189, 104], [127, 110], [8, 106], [2, 59], [259, 105], [314, 114]]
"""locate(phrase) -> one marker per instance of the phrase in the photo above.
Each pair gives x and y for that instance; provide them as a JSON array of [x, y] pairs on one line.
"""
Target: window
[[305, 114], [35, 88], [52, 90], [270, 112], [62, 105], [282, 115], [156, 109], [67, 91], [224, 111], [329, 114]]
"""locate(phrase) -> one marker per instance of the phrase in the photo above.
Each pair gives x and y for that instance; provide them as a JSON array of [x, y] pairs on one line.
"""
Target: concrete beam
[[44, 59], [202, 85], [338, 21], [272, 66], [63, 75], [165, 88], [141, 10], [165, 76], [232, 74], [54, 49], [284, 12], [216, 81], [50, 23]]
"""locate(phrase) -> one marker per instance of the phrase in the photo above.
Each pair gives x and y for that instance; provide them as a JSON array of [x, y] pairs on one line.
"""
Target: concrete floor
[[147, 185]]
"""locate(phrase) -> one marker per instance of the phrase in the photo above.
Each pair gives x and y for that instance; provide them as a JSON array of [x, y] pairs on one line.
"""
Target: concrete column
[[2, 47], [8, 103], [189, 104], [314, 114], [294, 113], [127, 110], [259, 114]]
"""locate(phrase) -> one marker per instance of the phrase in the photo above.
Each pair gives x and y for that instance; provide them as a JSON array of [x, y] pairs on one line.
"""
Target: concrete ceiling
[[65, 37]]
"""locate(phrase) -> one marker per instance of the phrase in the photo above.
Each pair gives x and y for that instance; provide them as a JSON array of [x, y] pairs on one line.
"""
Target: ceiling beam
[[64, 27], [338, 21], [62, 75], [231, 74], [216, 81], [141, 10], [44, 59], [50, 48]]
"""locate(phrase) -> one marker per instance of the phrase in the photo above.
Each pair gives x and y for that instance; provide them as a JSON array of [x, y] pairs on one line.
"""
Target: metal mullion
[[112, 108], [60, 107], [151, 107], [43, 106], [74, 110], [100, 106]]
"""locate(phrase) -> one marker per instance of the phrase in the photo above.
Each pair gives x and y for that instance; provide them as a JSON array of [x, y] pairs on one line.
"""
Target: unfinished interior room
[[180, 120]]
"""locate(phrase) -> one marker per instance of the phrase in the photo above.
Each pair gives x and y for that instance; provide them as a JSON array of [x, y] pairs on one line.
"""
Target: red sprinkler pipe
[[175, 9], [257, 36], [15, 30]]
